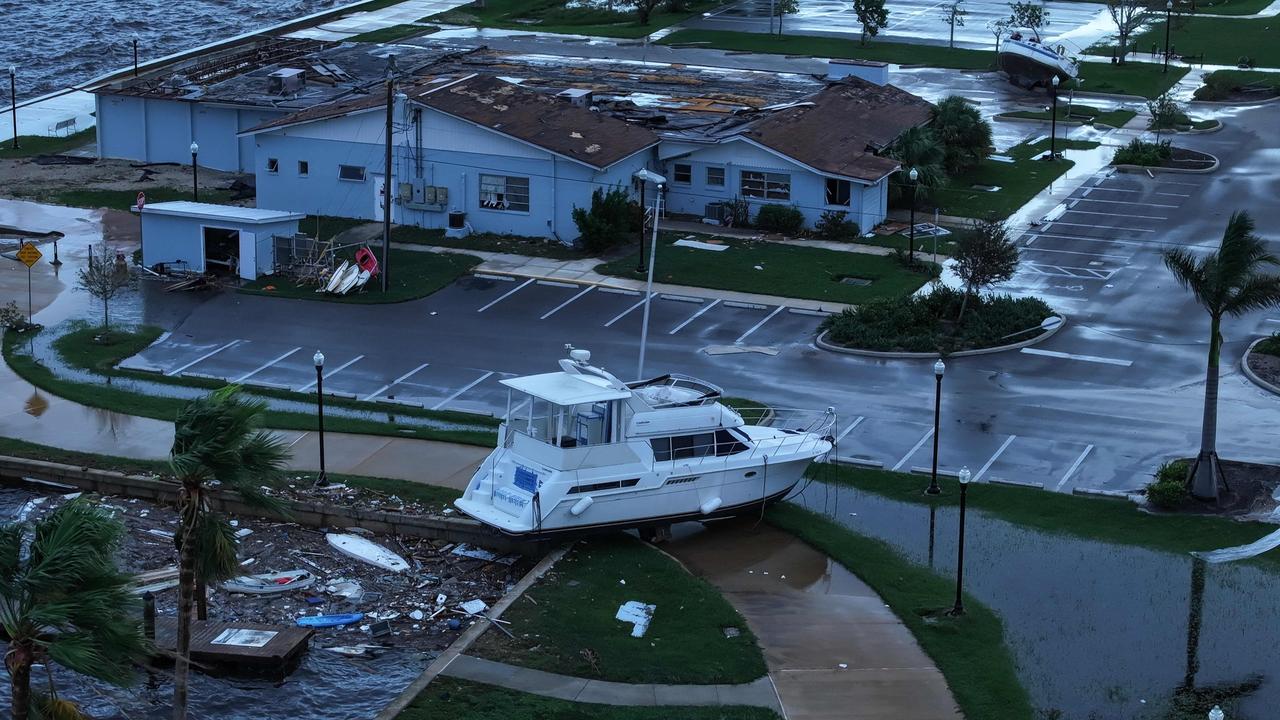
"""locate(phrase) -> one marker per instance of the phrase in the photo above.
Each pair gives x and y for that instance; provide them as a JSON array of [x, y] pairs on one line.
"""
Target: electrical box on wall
[[431, 198]]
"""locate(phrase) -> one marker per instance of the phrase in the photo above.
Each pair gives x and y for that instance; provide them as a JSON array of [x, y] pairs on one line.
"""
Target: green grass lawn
[[1226, 7], [456, 699], [1222, 40], [89, 348], [393, 33], [1142, 79], [890, 52], [489, 242], [125, 199], [414, 275], [968, 649], [551, 16], [1018, 181], [1078, 113], [32, 145], [326, 227], [1219, 83], [572, 630], [786, 270]]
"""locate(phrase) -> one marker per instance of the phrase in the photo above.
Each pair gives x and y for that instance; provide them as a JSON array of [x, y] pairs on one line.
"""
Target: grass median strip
[[413, 275], [572, 630], [776, 268], [890, 52], [464, 700], [1075, 112], [393, 33]]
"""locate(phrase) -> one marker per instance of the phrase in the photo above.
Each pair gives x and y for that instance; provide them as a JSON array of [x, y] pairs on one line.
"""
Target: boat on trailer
[[580, 450], [1030, 62]]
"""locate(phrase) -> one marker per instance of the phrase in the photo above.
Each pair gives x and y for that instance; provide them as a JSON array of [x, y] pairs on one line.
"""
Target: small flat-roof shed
[[220, 239]]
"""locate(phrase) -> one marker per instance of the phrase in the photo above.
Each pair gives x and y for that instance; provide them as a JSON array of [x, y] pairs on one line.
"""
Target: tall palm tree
[[1231, 282], [917, 149], [964, 134], [63, 599], [216, 438]]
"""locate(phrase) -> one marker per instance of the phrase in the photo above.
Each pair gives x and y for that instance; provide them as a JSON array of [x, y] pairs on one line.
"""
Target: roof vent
[[285, 81], [579, 97]]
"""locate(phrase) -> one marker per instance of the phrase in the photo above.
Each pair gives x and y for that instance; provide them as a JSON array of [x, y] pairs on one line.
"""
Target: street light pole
[[648, 290], [1053, 132], [1168, 22], [938, 369], [911, 246], [318, 358], [13, 98], [964, 487], [195, 172]]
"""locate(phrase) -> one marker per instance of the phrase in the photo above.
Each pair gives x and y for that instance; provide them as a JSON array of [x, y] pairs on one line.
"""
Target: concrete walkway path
[[758, 693], [833, 648]]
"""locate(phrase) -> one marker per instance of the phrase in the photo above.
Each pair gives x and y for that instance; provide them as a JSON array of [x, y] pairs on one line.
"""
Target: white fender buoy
[[710, 506], [580, 506]]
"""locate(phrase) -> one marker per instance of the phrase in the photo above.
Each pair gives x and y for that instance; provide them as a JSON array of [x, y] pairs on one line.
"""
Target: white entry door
[[379, 187], [248, 255]]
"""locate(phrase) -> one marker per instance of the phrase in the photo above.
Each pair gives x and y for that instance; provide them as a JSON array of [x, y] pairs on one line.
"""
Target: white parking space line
[[516, 409], [1121, 202], [1074, 466], [848, 429], [913, 450], [1123, 215], [1065, 271], [397, 381], [1100, 227], [465, 388], [983, 470], [693, 317], [757, 326], [1070, 356], [1175, 182], [1037, 248], [1274, 320], [332, 372], [264, 366], [627, 312], [555, 309], [1138, 191], [203, 357], [505, 295], [1139, 243]]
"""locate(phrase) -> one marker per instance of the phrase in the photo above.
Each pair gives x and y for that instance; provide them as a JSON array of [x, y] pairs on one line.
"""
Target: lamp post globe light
[[911, 246], [939, 368], [1216, 713], [195, 177], [318, 359], [963, 476], [1168, 22], [1053, 115]]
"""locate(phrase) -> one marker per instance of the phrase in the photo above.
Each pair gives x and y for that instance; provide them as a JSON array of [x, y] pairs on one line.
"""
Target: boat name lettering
[[511, 498]]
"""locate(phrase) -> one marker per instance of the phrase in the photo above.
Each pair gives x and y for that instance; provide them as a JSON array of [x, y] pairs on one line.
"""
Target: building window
[[715, 176], [354, 173], [304, 168], [838, 191], [683, 173], [499, 192], [767, 186], [273, 165]]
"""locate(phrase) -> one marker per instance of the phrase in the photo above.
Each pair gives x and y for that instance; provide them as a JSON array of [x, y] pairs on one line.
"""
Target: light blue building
[[510, 160], [219, 239]]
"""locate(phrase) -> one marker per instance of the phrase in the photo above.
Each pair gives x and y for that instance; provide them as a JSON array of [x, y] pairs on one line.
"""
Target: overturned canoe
[[270, 583], [354, 546]]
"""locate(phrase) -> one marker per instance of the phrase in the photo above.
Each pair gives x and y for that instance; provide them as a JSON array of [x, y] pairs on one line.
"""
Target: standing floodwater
[[59, 43]]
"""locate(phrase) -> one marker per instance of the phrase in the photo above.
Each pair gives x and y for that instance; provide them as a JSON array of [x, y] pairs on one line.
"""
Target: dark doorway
[[221, 251]]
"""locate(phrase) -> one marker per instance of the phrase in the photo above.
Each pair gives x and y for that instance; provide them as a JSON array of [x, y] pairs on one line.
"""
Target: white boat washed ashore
[[270, 583], [354, 546], [1029, 61], [582, 450]]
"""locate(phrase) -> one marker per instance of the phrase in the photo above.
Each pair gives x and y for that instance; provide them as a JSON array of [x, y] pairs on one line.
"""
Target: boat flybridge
[[1029, 61], [581, 450]]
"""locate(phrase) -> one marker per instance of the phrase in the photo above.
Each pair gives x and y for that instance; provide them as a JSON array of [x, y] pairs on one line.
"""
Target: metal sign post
[[29, 255]]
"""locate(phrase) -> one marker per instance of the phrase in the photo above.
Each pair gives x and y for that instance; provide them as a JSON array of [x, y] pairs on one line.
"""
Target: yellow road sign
[[29, 254]]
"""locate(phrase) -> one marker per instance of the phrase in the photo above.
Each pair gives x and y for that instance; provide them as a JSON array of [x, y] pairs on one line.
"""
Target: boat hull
[[1031, 66]]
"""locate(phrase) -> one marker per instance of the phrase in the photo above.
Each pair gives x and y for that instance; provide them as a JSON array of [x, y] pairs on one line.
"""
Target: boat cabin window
[[680, 447], [564, 426]]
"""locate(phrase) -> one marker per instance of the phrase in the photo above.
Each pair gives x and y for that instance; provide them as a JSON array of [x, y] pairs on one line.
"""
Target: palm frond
[[1257, 292], [216, 549]]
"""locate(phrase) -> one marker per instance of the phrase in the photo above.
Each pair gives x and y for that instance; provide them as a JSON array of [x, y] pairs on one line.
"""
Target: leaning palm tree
[[1229, 281], [62, 599], [216, 438]]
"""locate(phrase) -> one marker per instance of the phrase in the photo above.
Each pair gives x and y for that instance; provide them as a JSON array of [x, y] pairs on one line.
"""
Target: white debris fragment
[[441, 598], [243, 532], [634, 611], [417, 615], [474, 607]]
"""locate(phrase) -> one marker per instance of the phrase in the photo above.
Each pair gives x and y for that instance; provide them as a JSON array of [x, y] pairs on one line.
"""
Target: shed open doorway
[[221, 250]]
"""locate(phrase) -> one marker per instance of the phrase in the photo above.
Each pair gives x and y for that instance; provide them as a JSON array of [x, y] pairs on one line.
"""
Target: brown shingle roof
[[840, 129], [594, 138]]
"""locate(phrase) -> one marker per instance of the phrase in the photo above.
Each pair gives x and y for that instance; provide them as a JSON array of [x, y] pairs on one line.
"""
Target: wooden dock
[[237, 647]]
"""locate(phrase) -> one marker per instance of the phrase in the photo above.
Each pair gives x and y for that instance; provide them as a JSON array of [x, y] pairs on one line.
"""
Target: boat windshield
[[673, 390], [566, 426]]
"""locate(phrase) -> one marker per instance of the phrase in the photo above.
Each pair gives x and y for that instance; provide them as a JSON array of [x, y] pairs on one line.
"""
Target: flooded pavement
[[1098, 631]]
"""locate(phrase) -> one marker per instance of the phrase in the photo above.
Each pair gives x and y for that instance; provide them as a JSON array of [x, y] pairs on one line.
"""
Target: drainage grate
[[855, 281]]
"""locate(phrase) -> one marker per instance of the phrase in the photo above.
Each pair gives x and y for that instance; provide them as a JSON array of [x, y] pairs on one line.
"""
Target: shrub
[[607, 222], [1169, 489], [11, 318], [739, 213], [1270, 346], [835, 225], [1138, 152], [785, 219]]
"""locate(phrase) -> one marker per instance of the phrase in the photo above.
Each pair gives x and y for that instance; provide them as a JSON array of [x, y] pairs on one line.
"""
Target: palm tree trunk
[[190, 509], [18, 662], [1205, 473]]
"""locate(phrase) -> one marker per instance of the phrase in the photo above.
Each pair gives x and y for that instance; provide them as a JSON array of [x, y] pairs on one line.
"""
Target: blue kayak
[[326, 621]]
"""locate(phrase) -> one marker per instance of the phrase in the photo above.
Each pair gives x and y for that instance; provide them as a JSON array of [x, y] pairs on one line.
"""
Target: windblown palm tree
[[63, 599], [964, 134], [1229, 281], [919, 149], [216, 438]]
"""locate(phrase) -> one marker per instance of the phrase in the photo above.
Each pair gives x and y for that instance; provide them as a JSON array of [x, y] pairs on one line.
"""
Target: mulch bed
[[1184, 159], [1265, 366]]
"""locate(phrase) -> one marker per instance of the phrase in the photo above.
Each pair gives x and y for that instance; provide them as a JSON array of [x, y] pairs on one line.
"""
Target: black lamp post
[[1168, 22], [911, 245], [1053, 131], [13, 98], [964, 487], [938, 369], [318, 358], [195, 172]]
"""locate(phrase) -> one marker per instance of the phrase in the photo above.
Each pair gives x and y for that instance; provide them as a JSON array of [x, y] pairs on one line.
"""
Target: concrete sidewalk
[[758, 693]]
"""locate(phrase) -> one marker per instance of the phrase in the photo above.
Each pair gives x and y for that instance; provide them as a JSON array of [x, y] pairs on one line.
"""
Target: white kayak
[[354, 546], [270, 583], [336, 276]]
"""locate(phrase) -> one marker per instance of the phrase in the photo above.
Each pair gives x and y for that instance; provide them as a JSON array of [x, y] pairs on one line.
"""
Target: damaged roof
[[593, 138], [840, 129]]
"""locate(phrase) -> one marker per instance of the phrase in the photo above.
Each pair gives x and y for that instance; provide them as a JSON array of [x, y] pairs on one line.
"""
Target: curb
[[1253, 376], [469, 636], [1184, 171], [1242, 103], [1111, 96], [822, 343], [1064, 123]]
